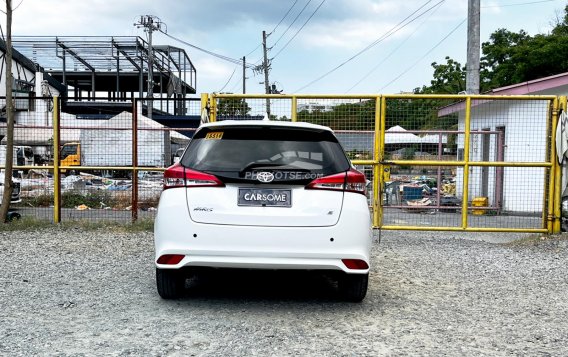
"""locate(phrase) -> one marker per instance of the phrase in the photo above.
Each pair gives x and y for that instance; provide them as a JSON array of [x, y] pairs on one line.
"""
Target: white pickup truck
[[15, 192]]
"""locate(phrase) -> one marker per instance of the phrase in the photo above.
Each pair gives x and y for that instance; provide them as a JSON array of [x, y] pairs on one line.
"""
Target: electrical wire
[[517, 4], [300, 29], [231, 77], [402, 24], [234, 87], [292, 23], [394, 50], [223, 57], [256, 48], [283, 17], [271, 32], [425, 55]]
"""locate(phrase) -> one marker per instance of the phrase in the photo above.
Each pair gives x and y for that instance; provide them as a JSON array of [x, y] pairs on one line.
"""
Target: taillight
[[179, 176], [170, 259], [351, 181], [355, 264]]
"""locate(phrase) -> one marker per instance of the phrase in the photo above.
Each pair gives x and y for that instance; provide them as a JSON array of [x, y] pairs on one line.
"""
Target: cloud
[[348, 34]]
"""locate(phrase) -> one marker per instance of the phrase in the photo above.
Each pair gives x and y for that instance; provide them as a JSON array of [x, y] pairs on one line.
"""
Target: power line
[[518, 4], [234, 87], [223, 57], [283, 17], [256, 48], [396, 28], [271, 32], [394, 50], [292, 23], [402, 24], [231, 77], [425, 55], [300, 29]]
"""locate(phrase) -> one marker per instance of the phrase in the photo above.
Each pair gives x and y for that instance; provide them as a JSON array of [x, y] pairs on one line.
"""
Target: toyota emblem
[[265, 177]]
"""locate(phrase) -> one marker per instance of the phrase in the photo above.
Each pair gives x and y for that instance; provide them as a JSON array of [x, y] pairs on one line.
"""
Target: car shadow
[[245, 284]]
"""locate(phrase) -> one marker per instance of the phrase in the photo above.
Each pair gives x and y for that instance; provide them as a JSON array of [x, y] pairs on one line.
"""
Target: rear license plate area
[[265, 197]]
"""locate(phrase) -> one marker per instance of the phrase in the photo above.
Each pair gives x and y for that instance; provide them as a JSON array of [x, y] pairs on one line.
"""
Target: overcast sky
[[333, 38]]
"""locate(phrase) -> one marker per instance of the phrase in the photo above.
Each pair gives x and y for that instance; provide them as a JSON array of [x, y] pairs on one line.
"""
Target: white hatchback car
[[263, 195]]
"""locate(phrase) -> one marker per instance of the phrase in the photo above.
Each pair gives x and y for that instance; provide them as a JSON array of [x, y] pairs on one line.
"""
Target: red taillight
[[170, 259], [179, 176], [351, 181], [355, 264], [356, 182]]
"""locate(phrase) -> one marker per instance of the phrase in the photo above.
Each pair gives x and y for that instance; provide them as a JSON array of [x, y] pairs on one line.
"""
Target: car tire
[[170, 283], [353, 287], [13, 216]]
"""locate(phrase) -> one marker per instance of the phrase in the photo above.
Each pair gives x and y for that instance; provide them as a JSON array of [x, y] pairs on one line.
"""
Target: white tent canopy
[[30, 135], [399, 135]]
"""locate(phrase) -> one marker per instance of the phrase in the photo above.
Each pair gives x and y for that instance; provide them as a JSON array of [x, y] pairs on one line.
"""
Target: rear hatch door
[[265, 170]]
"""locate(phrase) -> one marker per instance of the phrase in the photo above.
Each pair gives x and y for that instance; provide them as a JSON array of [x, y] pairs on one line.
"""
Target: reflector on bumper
[[170, 259]]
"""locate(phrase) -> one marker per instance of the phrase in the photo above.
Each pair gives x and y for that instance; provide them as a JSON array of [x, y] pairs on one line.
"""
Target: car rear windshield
[[238, 153]]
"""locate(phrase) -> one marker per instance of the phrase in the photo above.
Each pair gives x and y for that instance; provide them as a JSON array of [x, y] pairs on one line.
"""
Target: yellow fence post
[[378, 182], [56, 173], [294, 108], [213, 108], [465, 186], [556, 194]]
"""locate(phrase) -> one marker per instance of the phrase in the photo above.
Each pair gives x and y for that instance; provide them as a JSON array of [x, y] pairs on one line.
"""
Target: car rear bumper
[[234, 246]]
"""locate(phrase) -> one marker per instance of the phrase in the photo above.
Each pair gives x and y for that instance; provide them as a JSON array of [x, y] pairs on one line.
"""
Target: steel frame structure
[[112, 65]]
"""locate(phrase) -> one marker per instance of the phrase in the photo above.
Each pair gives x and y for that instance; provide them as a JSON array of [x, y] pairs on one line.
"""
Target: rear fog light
[[355, 264], [170, 259]]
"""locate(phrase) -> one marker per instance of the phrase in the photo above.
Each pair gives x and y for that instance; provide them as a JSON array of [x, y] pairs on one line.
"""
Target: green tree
[[508, 58], [233, 107], [449, 78]]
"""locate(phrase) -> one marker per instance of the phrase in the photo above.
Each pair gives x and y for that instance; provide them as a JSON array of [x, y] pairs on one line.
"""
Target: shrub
[[98, 199]]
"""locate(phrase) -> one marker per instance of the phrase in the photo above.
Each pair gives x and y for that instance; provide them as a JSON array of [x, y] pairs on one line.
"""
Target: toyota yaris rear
[[263, 195]]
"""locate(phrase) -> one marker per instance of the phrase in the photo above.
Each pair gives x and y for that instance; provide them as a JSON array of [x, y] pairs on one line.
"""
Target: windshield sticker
[[214, 135]]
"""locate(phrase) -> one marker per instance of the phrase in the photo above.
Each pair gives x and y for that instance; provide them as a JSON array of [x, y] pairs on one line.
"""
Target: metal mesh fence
[[32, 155], [423, 146], [512, 195], [352, 119], [96, 157], [420, 195], [234, 108]]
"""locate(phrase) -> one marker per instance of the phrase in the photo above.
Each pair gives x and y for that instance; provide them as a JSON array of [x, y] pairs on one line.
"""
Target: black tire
[[170, 283], [13, 216], [353, 287]]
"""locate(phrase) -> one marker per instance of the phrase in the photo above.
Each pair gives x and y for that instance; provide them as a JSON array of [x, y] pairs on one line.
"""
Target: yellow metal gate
[[435, 162]]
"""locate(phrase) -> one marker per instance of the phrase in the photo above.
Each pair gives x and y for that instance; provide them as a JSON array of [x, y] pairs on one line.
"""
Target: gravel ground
[[74, 292]]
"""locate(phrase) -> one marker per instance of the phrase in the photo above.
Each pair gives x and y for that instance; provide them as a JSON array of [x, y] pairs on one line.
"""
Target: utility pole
[[266, 65], [8, 165], [472, 66], [150, 24], [244, 74]]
